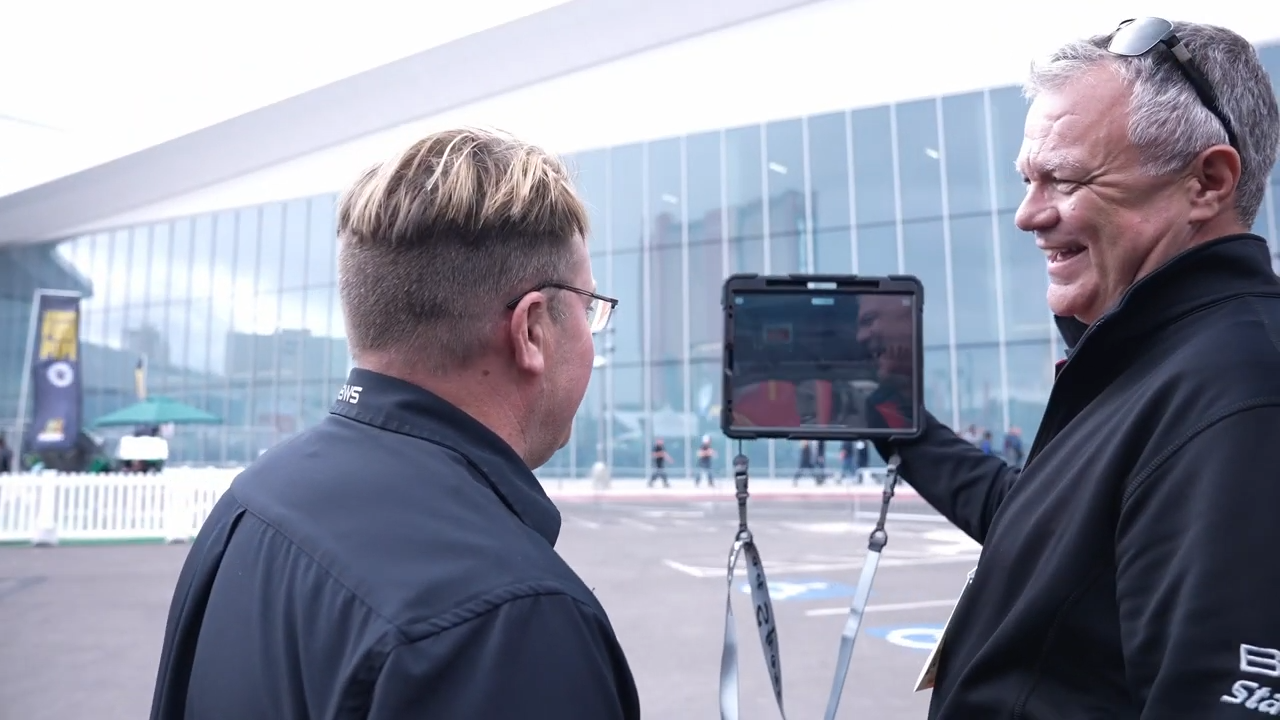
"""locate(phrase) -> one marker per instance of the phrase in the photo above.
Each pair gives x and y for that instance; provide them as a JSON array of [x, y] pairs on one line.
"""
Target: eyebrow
[[1049, 164]]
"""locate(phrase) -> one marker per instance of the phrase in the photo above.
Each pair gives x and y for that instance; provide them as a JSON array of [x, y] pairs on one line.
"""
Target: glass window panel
[[322, 241], [973, 267], [829, 170], [705, 390], [1260, 225], [878, 250], [746, 255], [706, 323], [270, 249], [978, 388], [874, 202], [665, 303], [290, 350], [919, 169], [937, 382], [923, 250], [161, 273], [317, 398], [182, 258], [743, 181], [702, 166], [964, 121], [591, 180], [833, 251], [241, 304], [588, 426], [225, 248], [785, 170], [201, 349], [558, 467], [117, 286], [142, 336], [117, 280], [628, 322], [1026, 284], [669, 419], [315, 324], [339, 362], [1008, 117], [140, 268], [237, 401], [97, 254], [293, 251], [1030, 380], [666, 224], [788, 253], [628, 421], [626, 196]]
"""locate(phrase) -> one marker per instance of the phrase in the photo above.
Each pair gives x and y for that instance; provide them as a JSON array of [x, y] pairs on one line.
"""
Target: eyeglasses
[[598, 313], [1137, 37]]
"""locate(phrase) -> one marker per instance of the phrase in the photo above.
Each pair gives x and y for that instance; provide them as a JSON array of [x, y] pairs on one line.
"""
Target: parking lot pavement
[[659, 568], [82, 625]]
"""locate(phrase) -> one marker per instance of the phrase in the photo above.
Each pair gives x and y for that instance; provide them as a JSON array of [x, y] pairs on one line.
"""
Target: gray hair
[[434, 242], [1168, 123]]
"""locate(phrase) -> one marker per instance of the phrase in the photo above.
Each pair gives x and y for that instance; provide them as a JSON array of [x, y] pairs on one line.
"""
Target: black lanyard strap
[[766, 623]]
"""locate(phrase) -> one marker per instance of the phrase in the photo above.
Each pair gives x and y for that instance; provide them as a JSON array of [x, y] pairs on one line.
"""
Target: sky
[[82, 82]]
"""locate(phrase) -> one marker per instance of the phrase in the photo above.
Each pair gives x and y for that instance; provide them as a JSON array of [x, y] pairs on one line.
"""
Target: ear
[[529, 331], [1215, 173]]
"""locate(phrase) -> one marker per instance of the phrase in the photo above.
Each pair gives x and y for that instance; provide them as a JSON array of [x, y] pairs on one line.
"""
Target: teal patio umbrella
[[157, 411]]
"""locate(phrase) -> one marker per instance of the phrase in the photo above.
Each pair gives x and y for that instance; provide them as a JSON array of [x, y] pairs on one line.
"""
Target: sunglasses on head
[[1137, 37]]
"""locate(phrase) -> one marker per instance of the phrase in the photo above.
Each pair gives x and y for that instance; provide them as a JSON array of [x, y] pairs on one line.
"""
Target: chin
[[1068, 301]]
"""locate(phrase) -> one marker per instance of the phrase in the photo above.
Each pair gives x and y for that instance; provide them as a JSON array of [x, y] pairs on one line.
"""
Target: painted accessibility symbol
[[809, 590], [922, 637]]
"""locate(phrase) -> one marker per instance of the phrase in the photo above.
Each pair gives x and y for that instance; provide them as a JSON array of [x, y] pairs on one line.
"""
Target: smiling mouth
[[1064, 254]]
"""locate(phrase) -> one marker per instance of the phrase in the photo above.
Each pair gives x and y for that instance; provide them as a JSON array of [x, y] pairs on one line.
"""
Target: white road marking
[[903, 517], [885, 607], [681, 567], [774, 568], [950, 541], [639, 525], [673, 513], [830, 528], [589, 524]]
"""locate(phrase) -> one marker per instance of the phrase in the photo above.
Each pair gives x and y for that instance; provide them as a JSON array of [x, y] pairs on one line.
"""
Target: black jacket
[[396, 561], [1131, 570]]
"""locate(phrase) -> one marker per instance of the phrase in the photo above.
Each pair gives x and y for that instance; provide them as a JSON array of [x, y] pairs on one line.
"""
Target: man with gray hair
[[1127, 569], [398, 560]]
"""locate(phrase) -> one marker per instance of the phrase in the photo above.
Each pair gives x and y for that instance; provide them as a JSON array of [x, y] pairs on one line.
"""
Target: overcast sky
[[83, 81]]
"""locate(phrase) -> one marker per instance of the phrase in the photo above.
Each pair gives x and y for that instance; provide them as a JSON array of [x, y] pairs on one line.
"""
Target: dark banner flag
[[56, 399]]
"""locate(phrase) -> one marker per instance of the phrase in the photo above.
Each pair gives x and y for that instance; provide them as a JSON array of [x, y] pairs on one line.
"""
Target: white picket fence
[[48, 508]]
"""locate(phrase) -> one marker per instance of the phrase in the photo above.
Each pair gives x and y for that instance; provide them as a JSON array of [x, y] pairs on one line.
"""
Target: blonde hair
[[434, 242]]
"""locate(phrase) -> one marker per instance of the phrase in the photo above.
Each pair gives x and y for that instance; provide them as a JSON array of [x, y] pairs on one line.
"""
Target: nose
[[1035, 214]]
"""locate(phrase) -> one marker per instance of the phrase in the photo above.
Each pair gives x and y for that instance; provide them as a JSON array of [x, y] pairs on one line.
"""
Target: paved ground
[[82, 625]]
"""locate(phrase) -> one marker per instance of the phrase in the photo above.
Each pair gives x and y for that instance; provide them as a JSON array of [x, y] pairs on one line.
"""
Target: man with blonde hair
[[398, 560]]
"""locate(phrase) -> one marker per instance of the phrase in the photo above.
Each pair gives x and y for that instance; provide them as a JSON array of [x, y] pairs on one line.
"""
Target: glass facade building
[[237, 311]]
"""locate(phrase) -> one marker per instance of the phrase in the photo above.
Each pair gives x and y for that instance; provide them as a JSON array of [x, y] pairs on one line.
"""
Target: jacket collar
[[1229, 267], [1217, 270], [392, 404]]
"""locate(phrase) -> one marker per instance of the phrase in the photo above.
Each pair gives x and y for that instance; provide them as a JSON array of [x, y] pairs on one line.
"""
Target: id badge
[[929, 673]]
